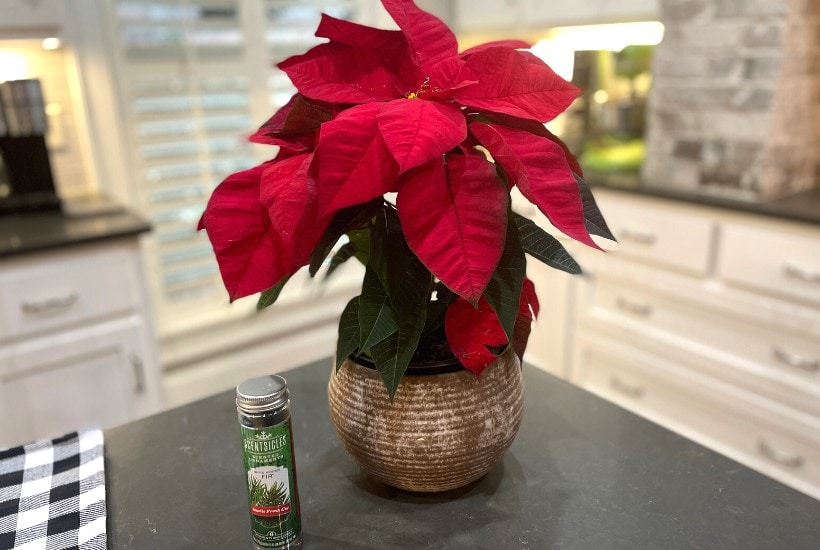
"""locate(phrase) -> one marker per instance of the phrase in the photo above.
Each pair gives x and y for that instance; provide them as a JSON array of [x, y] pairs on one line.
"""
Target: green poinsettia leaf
[[345, 220], [544, 247], [348, 332], [378, 245], [360, 238], [409, 287], [593, 219], [393, 354], [503, 292], [408, 280], [377, 320], [269, 296]]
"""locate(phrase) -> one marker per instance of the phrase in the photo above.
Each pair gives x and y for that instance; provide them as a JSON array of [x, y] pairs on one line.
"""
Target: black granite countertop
[[582, 473], [78, 223], [801, 207]]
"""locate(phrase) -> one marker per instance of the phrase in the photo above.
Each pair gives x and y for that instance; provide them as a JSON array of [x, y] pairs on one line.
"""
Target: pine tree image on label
[[269, 491]]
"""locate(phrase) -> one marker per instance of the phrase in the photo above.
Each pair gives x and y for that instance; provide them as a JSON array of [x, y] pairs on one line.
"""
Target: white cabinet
[[76, 346], [667, 238], [774, 440], [770, 260], [547, 346], [706, 321], [88, 377], [56, 292]]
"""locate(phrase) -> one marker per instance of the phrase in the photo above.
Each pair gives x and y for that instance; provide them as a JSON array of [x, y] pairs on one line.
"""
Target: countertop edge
[[802, 207], [33, 233]]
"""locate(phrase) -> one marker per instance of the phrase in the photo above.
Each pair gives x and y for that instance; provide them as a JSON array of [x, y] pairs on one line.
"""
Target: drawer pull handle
[[804, 274], [781, 457], [628, 389], [50, 304], [794, 360], [639, 237], [139, 372], [641, 310]]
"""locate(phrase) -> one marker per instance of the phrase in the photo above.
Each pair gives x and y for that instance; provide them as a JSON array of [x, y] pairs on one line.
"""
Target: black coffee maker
[[26, 181]]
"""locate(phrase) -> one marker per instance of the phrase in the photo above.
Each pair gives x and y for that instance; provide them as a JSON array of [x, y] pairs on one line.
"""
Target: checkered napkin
[[52, 494]]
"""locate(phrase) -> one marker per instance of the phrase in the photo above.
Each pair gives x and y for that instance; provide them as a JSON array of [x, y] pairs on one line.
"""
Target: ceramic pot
[[442, 431]]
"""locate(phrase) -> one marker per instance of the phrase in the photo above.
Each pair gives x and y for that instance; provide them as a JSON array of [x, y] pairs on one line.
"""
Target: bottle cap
[[263, 393]]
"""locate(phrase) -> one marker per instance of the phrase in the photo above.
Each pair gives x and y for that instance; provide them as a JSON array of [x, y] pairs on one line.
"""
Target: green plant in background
[[633, 61], [610, 154]]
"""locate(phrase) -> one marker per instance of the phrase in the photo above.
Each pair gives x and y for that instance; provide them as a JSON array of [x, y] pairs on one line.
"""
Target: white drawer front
[[664, 237], [782, 365], [65, 292], [738, 425], [779, 262]]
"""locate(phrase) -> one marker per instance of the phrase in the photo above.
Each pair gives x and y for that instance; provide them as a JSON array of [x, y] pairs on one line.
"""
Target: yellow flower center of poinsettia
[[425, 87]]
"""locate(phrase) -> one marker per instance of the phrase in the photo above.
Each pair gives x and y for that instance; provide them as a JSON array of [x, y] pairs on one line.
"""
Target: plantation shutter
[[196, 78]]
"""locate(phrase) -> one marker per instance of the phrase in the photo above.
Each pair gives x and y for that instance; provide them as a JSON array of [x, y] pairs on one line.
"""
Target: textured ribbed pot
[[442, 431]]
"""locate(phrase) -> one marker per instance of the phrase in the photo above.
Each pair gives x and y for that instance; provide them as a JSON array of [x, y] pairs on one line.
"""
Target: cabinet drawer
[[63, 291], [780, 262], [751, 430], [780, 364], [665, 237]]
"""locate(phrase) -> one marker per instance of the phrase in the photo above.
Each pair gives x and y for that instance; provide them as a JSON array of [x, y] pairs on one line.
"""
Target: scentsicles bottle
[[263, 405]]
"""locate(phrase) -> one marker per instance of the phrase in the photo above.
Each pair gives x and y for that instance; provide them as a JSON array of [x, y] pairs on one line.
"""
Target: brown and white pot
[[442, 431]]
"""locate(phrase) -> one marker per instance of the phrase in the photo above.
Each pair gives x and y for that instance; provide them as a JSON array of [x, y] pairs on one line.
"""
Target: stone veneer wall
[[735, 104]]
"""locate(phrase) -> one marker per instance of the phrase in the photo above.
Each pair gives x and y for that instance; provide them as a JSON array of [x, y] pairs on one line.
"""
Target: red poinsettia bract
[[380, 111]]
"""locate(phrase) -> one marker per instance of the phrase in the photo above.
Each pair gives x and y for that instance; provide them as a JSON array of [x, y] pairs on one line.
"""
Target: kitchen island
[[582, 473]]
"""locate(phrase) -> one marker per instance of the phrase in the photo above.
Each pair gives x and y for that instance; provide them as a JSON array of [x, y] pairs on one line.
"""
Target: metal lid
[[264, 393]]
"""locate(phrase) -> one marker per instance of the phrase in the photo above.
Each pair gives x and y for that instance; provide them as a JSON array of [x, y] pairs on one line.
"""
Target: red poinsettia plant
[[410, 149]]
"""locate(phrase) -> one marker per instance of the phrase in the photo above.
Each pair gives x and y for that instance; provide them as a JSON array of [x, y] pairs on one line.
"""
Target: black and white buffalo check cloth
[[52, 494]]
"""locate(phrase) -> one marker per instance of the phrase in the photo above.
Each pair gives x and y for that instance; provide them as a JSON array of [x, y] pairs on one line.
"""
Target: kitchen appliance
[[26, 180]]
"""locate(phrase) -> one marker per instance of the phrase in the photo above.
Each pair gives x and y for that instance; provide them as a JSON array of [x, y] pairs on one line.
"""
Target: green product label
[[272, 492]]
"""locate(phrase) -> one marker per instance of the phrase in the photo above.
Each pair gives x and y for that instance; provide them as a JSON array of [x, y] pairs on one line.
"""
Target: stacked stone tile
[[734, 108]]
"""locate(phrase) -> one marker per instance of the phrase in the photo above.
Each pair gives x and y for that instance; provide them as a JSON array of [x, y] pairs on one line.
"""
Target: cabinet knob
[[795, 360], [781, 457], [55, 303], [795, 271], [635, 308], [139, 372], [631, 390], [637, 236]]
